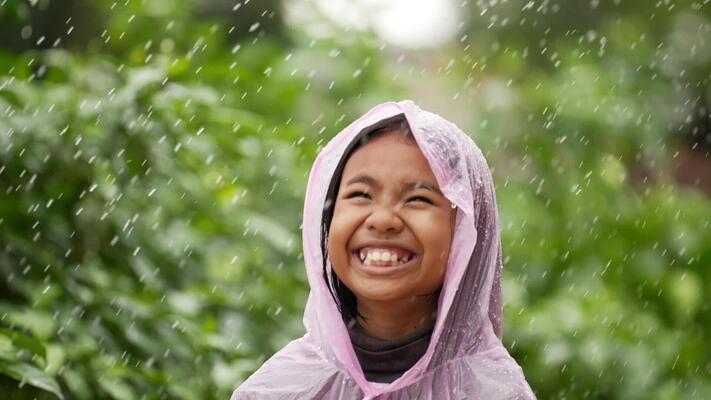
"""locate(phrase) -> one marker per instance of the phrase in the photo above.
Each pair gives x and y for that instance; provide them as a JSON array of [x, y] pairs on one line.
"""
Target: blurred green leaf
[[31, 375]]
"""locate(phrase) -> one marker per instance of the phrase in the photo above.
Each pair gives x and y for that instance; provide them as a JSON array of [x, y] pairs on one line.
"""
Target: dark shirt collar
[[386, 360]]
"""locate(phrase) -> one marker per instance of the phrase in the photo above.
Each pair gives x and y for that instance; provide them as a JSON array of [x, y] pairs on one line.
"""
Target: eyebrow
[[407, 187]]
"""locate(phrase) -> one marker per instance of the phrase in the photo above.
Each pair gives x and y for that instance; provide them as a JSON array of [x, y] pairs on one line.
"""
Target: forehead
[[390, 155]]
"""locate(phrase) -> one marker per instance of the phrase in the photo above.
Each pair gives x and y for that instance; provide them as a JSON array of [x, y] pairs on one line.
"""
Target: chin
[[374, 292]]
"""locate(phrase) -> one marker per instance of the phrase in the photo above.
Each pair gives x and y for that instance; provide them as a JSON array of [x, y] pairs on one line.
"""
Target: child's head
[[388, 226]]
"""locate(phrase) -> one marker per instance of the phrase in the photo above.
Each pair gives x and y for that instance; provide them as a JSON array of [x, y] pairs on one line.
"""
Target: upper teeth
[[380, 256]]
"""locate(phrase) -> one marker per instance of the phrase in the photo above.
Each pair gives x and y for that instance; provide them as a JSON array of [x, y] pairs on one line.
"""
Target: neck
[[392, 320]]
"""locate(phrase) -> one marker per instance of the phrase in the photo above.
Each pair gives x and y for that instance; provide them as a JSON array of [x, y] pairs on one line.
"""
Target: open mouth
[[383, 257]]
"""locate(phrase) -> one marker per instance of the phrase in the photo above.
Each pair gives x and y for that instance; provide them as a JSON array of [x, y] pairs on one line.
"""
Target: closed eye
[[358, 194], [420, 198]]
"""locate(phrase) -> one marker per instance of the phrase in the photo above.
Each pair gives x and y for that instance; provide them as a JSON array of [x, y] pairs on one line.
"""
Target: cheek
[[343, 225], [435, 233]]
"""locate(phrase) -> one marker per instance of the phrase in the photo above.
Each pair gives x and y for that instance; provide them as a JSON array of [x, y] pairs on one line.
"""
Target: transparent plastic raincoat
[[465, 358]]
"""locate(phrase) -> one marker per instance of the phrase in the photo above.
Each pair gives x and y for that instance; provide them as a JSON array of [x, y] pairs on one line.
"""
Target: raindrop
[[26, 32]]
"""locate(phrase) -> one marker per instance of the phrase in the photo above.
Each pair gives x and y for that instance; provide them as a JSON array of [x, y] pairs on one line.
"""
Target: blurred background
[[154, 157]]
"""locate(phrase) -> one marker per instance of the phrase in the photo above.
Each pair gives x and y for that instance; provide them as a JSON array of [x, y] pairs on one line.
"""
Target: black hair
[[344, 298]]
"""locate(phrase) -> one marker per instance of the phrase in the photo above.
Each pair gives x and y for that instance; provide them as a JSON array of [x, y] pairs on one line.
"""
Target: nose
[[384, 219]]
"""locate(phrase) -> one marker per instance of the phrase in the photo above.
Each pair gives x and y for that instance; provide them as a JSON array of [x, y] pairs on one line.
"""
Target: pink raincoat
[[465, 358]]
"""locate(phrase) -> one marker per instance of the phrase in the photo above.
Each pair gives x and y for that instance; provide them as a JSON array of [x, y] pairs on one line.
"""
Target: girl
[[403, 256]]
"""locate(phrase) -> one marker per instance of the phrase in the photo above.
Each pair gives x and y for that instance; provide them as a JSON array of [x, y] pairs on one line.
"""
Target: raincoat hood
[[465, 358]]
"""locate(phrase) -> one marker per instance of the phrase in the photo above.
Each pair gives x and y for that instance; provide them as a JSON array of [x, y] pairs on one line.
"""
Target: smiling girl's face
[[392, 228]]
